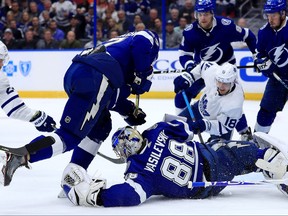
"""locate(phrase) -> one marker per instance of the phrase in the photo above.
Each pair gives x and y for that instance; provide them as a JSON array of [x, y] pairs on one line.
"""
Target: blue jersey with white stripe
[[215, 44], [274, 45], [169, 161]]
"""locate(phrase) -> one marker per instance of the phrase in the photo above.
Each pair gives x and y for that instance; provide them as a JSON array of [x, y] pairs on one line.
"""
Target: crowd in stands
[[69, 24]]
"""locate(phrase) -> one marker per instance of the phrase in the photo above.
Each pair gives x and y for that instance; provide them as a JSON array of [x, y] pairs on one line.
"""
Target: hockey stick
[[183, 70], [136, 108], [236, 183], [191, 114], [33, 147], [280, 80], [113, 160]]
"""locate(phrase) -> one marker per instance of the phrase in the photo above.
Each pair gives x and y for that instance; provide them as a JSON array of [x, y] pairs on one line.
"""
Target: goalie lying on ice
[[164, 159]]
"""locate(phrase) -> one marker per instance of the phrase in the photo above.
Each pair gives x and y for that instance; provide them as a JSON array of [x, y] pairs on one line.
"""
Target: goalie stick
[[236, 183], [183, 70]]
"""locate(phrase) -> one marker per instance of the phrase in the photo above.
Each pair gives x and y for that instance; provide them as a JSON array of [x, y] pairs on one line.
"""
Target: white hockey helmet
[[4, 53], [127, 141], [227, 73]]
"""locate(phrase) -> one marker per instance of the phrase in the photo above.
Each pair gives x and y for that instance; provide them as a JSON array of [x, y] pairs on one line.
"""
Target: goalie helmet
[[273, 6], [127, 141], [226, 73], [4, 53]]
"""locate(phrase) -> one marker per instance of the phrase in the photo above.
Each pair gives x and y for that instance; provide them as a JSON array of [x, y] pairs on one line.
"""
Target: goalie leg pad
[[274, 164]]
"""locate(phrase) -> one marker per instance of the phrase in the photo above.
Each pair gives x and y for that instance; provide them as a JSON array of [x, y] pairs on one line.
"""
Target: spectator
[[99, 37], [9, 40], [226, 8], [29, 42], [112, 26], [36, 28], [123, 23], [158, 27], [47, 5], [47, 42], [149, 22], [187, 11], [113, 34], [77, 26], [182, 25], [174, 16], [137, 19], [57, 33], [102, 6], [16, 11], [89, 17], [17, 32], [111, 11], [140, 27], [33, 9], [61, 11], [173, 38], [70, 42], [25, 21], [44, 19]]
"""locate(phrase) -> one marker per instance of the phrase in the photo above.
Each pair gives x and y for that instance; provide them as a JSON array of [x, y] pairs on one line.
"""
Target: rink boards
[[39, 74]]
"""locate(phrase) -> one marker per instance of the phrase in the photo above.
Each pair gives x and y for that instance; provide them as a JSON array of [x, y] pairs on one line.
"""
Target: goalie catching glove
[[43, 122]]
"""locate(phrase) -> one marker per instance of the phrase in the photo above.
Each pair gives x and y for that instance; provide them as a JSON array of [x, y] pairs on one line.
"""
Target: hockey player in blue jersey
[[164, 160], [209, 39], [14, 106], [272, 57], [99, 80]]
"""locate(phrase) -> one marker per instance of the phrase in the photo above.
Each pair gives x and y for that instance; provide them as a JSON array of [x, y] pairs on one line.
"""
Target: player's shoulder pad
[[264, 26], [189, 27], [226, 21]]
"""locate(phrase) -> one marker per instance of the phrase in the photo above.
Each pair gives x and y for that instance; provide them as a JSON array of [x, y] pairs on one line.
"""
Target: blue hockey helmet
[[202, 6], [273, 6], [127, 141]]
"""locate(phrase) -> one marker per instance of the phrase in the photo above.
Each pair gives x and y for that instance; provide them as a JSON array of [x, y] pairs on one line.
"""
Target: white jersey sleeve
[[223, 112], [11, 103]]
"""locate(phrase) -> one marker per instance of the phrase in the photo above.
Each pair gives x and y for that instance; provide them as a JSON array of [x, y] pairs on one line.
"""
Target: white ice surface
[[34, 192]]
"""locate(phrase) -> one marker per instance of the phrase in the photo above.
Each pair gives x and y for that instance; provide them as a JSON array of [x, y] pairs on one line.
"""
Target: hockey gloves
[[43, 122], [142, 82], [264, 65], [183, 82], [135, 117], [197, 126]]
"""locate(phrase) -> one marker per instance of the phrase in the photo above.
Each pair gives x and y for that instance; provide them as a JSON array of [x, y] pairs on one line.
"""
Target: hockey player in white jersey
[[221, 104], [12, 104]]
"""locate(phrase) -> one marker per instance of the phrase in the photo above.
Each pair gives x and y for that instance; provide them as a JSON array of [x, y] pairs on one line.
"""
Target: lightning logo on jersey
[[212, 53], [90, 114], [279, 55]]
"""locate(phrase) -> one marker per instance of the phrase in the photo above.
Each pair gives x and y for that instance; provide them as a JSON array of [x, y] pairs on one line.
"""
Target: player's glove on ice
[[265, 66], [142, 82], [183, 82], [198, 126], [43, 122], [136, 117]]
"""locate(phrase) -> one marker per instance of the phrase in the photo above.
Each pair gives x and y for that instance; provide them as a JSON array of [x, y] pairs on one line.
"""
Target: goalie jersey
[[164, 167]]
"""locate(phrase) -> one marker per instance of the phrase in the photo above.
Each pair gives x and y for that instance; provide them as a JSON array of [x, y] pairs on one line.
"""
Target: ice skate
[[11, 163]]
